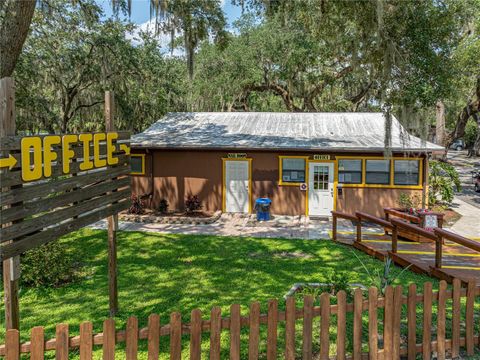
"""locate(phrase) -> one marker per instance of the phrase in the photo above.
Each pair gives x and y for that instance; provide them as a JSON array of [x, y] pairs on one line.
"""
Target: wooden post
[[438, 252], [112, 221], [334, 227], [10, 266], [359, 229], [425, 183], [394, 239]]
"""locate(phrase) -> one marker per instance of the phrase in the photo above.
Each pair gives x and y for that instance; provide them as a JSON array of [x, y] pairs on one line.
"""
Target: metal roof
[[283, 131]]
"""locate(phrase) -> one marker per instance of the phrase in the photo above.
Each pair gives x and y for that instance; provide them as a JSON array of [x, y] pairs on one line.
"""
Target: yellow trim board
[[224, 160], [459, 267], [445, 255], [143, 164]]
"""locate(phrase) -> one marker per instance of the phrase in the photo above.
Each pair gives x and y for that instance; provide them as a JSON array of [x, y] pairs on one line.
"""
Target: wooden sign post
[[10, 266], [74, 180], [112, 221]]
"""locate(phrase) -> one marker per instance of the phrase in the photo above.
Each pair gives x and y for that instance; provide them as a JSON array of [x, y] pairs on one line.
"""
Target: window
[[137, 164], [292, 170], [406, 172], [350, 171], [320, 177], [378, 172]]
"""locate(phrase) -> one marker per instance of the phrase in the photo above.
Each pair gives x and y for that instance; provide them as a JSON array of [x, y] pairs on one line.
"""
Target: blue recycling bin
[[262, 207]]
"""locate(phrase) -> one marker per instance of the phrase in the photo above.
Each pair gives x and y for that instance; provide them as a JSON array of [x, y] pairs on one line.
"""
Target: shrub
[[49, 265], [137, 206], [443, 181], [192, 204], [163, 206], [409, 203], [384, 276]]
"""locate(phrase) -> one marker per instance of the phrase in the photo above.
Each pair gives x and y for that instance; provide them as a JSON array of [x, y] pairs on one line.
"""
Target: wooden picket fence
[[429, 307]]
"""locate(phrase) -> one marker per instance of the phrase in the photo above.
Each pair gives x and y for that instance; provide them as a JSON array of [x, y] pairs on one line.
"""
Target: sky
[[141, 10]]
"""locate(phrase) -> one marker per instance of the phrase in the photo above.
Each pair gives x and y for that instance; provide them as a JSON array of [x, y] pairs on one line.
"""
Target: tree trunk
[[440, 127], [471, 109], [14, 29]]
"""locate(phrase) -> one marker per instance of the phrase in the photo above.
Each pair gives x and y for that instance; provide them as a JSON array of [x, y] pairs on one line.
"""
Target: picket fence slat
[[272, 329], [109, 339], [341, 324], [388, 323], [175, 336], [12, 345], [441, 320], [456, 313], [62, 346], [392, 303], [215, 330], [325, 326], [372, 323], [307, 327], [195, 334], [412, 322], [254, 334], [235, 332], [86, 340], [131, 341], [37, 343], [290, 329], [153, 337], [469, 342], [427, 321], [357, 324], [397, 318]]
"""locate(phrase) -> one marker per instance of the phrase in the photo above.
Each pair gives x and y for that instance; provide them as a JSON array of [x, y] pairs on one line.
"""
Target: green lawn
[[163, 273]]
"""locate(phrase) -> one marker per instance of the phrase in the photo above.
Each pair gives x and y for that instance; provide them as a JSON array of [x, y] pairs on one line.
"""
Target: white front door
[[320, 188], [237, 179]]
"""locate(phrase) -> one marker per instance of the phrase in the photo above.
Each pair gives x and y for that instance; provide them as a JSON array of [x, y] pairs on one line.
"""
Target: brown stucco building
[[306, 163]]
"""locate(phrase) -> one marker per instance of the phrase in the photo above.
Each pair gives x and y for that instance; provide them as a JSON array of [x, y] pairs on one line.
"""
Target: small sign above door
[[321, 157], [236, 155]]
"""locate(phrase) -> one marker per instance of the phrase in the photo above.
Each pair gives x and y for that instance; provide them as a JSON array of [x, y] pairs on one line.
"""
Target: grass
[[160, 273]]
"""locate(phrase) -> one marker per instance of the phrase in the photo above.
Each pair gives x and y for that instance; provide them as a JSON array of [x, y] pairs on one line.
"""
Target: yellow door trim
[[224, 184], [335, 181]]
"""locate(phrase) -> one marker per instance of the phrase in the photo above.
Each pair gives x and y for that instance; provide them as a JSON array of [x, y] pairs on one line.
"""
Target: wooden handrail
[[339, 214], [400, 214], [374, 219], [414, 228], [441, 233]]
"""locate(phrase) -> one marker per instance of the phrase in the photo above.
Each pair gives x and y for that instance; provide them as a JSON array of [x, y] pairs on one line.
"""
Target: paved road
[[464, 167]]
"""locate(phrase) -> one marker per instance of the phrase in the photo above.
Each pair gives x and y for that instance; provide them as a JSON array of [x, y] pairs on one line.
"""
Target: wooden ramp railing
[[373, 322], [418, 261], [399, 224]]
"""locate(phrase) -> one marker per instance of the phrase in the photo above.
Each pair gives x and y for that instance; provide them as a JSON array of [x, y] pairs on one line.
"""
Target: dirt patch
[[195, 214], [451, 217], [282, 255]]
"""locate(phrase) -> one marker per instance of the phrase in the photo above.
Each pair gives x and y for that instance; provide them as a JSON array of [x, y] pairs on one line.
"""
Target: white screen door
[[320, 189], [236, 186]]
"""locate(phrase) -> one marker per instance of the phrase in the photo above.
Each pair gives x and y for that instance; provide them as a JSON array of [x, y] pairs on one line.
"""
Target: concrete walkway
[[289, 227], [469, 224]]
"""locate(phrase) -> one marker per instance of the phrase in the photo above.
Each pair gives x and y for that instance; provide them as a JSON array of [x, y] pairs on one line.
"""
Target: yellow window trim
[[280, 169], [224, 182], [391, 185], [143, 164]]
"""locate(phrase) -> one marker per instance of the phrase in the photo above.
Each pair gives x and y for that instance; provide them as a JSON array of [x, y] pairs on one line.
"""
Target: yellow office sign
[[40, 153]]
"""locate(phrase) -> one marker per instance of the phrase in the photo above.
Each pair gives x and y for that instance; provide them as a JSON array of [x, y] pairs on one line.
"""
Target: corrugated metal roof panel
[[283, 131]]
